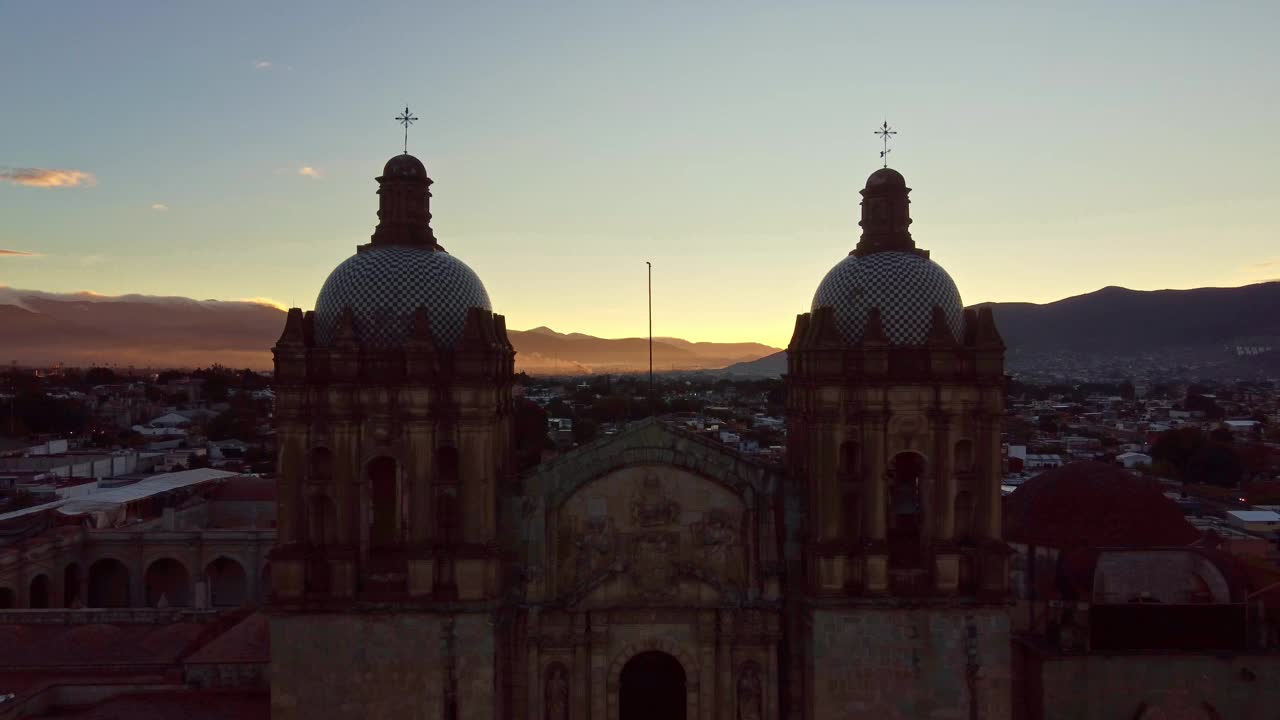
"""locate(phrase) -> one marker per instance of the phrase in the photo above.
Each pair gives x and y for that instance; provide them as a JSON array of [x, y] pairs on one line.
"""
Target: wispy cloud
[[47, 178], [159, 207], [16, 253], [308, 171], [263, 64]]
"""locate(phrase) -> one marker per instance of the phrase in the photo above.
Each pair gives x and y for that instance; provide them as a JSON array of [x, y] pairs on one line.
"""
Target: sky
[[228, 150]]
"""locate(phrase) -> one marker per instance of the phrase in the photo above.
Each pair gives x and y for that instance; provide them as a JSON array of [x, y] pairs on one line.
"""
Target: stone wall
[[909, 664], [1149, 686], [392, 665]]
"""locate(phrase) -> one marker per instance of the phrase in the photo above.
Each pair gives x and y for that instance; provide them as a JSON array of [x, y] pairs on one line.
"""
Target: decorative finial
[[885, 133], [406, 120]]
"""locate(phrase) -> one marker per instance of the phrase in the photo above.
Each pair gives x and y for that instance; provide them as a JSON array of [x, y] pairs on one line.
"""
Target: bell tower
[[894, 399], [394, 433]]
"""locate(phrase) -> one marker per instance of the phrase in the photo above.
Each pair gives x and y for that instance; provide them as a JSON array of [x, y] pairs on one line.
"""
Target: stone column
[[138, 583], [874, 478], [706, 660], [599, 678], [826, 505], [345, 487], [420, 447], [291, 459], [581, 672], [989, 477], [533, 670], [770, 682], [724, 689], [944, 478], [875, 570]]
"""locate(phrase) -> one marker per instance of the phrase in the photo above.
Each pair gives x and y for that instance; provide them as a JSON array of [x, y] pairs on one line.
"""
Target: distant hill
[[1116, 320], [147, 331], [1119, 322], [545, 350], [84, 329], [768, 366]]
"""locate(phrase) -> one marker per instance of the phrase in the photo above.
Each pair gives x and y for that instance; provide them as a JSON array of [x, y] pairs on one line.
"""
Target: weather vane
[[406, 120], [885, 133]]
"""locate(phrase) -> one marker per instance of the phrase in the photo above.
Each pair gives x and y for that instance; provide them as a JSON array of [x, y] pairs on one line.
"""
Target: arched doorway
[[71, 586], [228, 585], [6, 598], [168, 584], [108, 584], [652, 685], [38, 597]]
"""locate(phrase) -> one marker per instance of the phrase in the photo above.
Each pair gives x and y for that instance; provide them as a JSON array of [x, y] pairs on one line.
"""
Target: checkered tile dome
[[905, 286], [385, 286]]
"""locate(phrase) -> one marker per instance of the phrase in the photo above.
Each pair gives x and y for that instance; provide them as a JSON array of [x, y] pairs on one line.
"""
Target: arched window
[[317, 577], [963, 514], [320, 466], [384, 502], [849, 460], [964, 456], [38, 597], [905, 510], [228, 586], [108, 584], [168, 584], [322, 520], [448, 521], [447, 465]]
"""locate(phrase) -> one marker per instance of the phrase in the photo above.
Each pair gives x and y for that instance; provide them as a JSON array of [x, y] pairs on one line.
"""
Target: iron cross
[[885, 133], [406, 120]]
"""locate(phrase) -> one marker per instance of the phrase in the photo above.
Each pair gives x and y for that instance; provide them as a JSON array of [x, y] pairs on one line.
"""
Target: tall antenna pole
[[651, 401]]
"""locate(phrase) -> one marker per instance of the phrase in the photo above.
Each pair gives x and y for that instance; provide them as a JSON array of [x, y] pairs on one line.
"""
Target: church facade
[[651, 573]]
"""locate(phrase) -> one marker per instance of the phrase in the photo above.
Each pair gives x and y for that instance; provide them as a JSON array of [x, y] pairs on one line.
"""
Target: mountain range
[[84, 329], [1118, 322], [147, 331]]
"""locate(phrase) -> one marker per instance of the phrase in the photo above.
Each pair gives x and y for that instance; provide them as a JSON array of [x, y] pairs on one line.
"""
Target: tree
[[584, 431], [1174, 448], [1215, 464], [100, 376], [558, 408]]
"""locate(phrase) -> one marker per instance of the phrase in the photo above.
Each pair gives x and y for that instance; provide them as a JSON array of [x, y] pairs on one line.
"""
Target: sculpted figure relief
[[653, 569], [650, 506], [750, 693], [716, 537], [594, 551], [556, 695]]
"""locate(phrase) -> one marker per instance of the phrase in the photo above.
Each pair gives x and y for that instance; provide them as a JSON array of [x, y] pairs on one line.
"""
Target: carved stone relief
[[556, 693], [750, 693], [650, 527], [650, 507]]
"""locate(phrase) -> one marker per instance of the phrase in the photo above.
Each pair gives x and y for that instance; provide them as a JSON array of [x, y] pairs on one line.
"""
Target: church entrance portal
[[652, 688]]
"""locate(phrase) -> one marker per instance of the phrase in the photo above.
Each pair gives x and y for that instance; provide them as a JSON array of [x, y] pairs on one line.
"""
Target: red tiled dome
[[1093, 504]]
